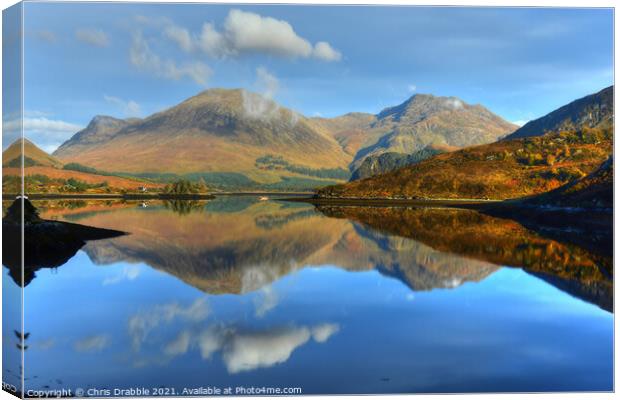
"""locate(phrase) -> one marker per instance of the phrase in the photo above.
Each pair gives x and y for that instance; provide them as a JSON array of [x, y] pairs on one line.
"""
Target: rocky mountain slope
[[386, 162], [425, 120], [595, 110], [216, 131], [502, 170], [239, 136]]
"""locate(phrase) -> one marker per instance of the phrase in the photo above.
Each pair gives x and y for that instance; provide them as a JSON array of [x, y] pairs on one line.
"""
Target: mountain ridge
[[592, 110], [220, 133]]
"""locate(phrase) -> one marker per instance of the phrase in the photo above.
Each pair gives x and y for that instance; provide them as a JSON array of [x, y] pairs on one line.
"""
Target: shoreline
[[480, 204], [146, 196], [377, 202], [105, 196]]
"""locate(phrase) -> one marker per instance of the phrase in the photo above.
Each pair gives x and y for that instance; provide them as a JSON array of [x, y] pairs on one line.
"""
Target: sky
[[131, 60]]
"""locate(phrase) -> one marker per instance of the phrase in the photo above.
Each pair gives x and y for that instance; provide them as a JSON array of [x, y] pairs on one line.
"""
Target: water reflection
[[245, 245], [339, 300], [583, 273], [241, 252], [47, 244]]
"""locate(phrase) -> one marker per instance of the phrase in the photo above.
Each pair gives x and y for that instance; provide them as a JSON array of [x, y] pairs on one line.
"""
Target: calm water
[[236, 292]]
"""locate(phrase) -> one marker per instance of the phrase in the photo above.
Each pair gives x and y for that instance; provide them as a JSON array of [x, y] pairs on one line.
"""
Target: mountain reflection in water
[[239, 245], [236, 291]]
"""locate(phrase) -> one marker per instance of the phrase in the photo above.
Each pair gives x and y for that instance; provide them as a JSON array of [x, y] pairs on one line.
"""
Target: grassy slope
[[58, 175], [31, 151], [47, 175], [352, 130], [502, 170], [213, 132]]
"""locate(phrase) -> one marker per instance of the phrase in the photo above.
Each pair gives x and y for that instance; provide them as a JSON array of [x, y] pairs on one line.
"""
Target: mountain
[[33, 156], [350, 130], [502, 170], [595, 190], [100, 129], [46, 174], [595, 110], [425, 120], [218, 131], [386, 162], [242, 139]]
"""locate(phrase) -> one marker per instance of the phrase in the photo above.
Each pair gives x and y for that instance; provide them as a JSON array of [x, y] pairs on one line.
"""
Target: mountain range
[[426, 147], [234, 136], [240, 245], [567, 144]]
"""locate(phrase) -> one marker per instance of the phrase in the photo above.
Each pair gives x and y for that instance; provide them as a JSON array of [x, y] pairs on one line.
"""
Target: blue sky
[[135, 59]]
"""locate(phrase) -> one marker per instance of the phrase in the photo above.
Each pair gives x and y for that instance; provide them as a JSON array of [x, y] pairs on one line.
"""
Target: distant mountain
[[33, 156], [46, 174], [501, 170], [100, 129], [215, 132], [425, 120], [236, 136], [595, 110], [351, 130], [595, 190], [386, 162]]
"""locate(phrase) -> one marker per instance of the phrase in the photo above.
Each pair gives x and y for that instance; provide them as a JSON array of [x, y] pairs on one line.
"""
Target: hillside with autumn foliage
[[501, 170]]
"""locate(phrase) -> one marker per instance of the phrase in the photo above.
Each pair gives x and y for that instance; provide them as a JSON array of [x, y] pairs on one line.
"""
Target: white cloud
[[129, 107], [212, 42], [142, 57], [246, 32], [324, 51], [259, 279], [246, 351], [261, 106], [141, 324], [44, 132], [454, 103], [178, 346], [266, 82], [412, 88], [520, 122], [129, 273], [92, 36], [180, 36], [321, 333], [92, 343]]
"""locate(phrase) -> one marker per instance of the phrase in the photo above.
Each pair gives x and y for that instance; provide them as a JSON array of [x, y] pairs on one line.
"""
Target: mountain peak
[[422, 105], [103, 119], [98, 130], [32, 154]]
